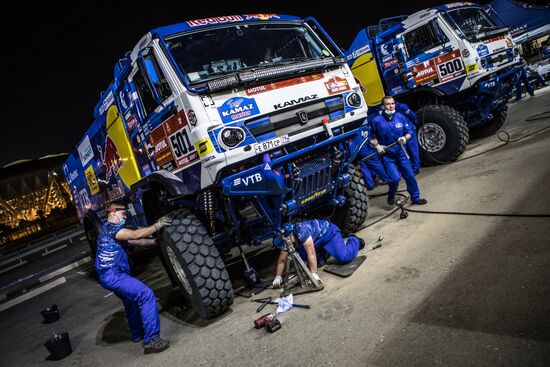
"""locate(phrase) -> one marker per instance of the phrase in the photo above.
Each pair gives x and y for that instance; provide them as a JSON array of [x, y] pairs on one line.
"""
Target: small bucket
[[59, 346], [51, 314]]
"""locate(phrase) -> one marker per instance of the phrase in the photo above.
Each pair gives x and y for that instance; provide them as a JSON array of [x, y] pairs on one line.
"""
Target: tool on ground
[[273, 325], [306, 280], [269, 302], [269, 322], [263, 320], [401, 204], [375, 154], [261, 307], [253, 285]]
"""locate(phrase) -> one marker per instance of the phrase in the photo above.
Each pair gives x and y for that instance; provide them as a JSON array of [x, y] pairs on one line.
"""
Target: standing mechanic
[[412, 143], [113, 270], [316, 237], [387, 128]]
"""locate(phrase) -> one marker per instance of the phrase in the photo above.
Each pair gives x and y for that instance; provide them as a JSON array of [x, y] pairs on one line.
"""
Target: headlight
[[515, 51], [354, 100], [230, 137]]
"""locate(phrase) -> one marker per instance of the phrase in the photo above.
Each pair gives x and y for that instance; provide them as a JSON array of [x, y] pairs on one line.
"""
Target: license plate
[[271, 144]]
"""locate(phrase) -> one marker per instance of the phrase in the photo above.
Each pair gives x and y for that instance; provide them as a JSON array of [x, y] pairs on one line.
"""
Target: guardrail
[[42, 246]]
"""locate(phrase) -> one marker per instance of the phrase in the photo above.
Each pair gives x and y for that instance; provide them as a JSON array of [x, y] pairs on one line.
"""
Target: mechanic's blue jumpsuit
[[326, 237], [372, 165], [113, 269], [387, 130], [412, 144], [523, 78]]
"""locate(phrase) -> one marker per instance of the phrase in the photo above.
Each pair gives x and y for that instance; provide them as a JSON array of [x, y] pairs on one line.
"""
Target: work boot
[[420, 202], [156, 345], [391, 200]]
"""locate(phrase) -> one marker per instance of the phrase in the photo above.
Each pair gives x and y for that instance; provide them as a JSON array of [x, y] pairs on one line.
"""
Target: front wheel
[[442, 134], [351, 216], [196, 264]]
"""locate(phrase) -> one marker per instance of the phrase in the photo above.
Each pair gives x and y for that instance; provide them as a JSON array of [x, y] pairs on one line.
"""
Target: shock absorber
[[209, 209], [336, 158]]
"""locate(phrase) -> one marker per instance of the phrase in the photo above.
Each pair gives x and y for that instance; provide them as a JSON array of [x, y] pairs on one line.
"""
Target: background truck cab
[[453, 64], [237, 125]]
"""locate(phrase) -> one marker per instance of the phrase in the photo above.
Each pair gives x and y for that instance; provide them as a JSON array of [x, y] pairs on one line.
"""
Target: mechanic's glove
[[163, 222], [277, 281], [402, 140], [380, 149], [316, 277]]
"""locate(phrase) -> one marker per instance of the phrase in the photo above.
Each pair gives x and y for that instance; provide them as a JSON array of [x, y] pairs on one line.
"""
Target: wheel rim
[[180, 273], [432, 137]]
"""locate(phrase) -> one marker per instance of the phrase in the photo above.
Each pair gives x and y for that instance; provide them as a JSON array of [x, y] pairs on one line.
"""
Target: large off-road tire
[[442, 134], [351, 216], [197, 265], [490, 127]]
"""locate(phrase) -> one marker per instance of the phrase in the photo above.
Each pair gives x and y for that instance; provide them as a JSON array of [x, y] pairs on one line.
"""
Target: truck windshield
[[211, 53], [473, 22]]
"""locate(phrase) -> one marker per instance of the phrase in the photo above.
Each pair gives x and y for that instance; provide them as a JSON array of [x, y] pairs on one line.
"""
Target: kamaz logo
[[250, 180], [293, 102]]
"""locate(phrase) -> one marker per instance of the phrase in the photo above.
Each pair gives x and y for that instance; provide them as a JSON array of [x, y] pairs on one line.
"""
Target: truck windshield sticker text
[[215, 20], [282, 84]]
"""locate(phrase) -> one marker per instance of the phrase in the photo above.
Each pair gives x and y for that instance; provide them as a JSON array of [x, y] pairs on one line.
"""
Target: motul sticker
[[424, 73], [337, 85], [282, 84], [390, 63]]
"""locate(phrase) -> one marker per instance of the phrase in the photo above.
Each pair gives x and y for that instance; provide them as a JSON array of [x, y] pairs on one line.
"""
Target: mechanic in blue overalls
[[387, 128], [113, 270], [373, 166], [313, 239], [412, 143]]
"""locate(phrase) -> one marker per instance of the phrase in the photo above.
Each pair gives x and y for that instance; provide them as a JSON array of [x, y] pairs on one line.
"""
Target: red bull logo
[[262, 16], [110, 158]]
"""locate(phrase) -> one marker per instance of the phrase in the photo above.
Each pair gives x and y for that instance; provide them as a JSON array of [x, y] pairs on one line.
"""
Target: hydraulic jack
[[303, 276]]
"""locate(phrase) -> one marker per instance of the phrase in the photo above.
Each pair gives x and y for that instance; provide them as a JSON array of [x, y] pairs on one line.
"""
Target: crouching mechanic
[[313, 238], [113, 270]]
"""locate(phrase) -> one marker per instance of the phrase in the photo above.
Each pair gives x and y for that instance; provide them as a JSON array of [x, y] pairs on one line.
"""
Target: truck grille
[[314, 176], [309, 115]]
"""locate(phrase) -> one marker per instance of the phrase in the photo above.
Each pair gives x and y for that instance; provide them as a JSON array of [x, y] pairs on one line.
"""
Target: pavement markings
[[31, 294], [64, 269]]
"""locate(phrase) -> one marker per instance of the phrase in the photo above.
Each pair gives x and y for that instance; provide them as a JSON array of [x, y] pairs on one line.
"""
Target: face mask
[[389, 112], [122, 222]]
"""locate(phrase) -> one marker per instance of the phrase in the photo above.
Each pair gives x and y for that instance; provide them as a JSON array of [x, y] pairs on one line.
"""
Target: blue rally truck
[[453, 64], [235, 125]]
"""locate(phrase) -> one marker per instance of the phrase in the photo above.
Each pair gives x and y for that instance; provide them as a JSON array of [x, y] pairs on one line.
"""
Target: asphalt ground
[[443, 290]]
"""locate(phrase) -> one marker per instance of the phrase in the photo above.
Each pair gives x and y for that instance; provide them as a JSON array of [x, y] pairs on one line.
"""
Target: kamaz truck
[[453, 64], [236, 126]]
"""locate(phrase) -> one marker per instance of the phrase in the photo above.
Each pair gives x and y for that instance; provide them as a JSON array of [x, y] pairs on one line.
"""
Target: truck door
[[431, 59], [166, 129]]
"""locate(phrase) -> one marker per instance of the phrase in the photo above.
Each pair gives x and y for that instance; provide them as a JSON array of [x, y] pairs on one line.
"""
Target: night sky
[[58, 58]]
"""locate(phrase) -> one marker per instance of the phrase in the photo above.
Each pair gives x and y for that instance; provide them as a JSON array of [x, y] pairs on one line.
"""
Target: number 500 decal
[[450, 69]]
